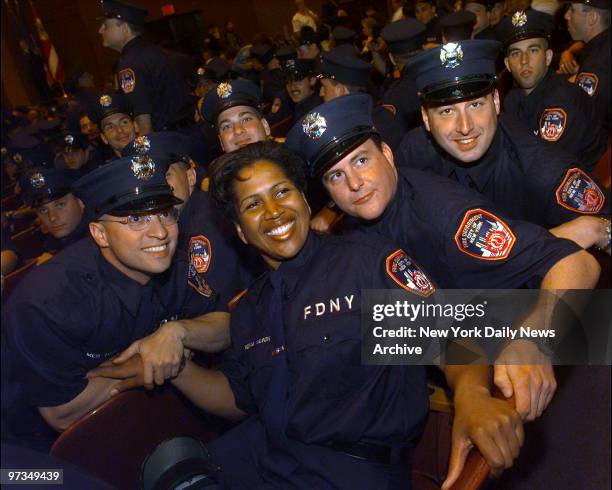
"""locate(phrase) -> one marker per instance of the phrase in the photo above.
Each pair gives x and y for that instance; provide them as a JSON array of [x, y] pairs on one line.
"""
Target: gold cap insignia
[[143, 167], [224, 90], [519, 18], [37, 180], [451, 55], [314, 125], [106, 100]]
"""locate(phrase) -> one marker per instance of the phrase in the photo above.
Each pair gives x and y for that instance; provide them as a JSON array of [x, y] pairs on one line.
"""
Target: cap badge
[[519, 18], [143, 167], [17, 158], [106, 100], [69, 139], [224, 90], [314, 125], [200, 71], [37, 180], [142, 144], [451, 55]]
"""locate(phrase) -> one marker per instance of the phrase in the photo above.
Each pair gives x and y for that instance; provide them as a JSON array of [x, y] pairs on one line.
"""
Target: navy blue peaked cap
[[455, 71], [332, 130]]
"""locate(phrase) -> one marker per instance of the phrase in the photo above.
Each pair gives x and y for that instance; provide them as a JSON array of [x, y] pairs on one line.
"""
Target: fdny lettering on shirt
[[483, 235], [332, 305], [552, 124], [407, 274], [578, 192], [587, 82]]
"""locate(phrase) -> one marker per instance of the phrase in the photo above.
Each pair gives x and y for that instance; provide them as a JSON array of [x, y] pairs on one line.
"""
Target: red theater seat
[[112, 441]]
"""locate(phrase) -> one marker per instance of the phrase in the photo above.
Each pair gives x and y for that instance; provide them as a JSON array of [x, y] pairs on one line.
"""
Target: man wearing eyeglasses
[[98, 296]]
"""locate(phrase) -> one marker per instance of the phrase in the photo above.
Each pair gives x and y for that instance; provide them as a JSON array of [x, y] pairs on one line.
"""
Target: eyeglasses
[[135, 222]]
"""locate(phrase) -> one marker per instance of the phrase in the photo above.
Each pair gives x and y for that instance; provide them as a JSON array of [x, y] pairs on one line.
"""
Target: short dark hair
[[224, 170]]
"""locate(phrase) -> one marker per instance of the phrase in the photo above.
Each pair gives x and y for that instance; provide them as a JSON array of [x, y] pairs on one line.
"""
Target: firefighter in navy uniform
[[463, 140], [457, 235], [155, 87], [233, 108], [342, 74], [301, 85], [49, 193], [556, 110], [589, 21], [100, 295], [404, 38], [113, 116], [218, 263]]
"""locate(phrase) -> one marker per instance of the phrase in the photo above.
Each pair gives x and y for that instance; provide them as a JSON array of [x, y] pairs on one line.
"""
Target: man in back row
[[153, 84], [558, 112]]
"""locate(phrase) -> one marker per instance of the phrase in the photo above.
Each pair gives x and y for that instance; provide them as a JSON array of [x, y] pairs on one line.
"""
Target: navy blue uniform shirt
[[594, 73], [561, 114], [68, 316], [305, 106], [462, 241], [327, 395], [153, 84], [402, 99], [218, 262], [525, 178]]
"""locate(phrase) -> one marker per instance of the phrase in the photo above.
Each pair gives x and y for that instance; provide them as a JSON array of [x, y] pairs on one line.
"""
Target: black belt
[[371, 452]]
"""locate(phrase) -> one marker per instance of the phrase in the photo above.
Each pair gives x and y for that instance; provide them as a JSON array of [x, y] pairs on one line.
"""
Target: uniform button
[[325, 338], [89, 277]]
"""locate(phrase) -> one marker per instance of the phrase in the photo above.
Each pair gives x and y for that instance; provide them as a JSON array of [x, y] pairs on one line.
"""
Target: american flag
[[54, 67]]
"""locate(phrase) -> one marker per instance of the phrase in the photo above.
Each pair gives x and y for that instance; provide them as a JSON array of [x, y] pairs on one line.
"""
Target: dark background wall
[[72, 26]]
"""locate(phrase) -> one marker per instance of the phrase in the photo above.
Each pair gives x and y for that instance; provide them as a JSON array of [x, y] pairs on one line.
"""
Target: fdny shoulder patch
[[588, 82], [127, 80], [408, 275], [552, 124], [485, 236], [200, 257], [579, 192]]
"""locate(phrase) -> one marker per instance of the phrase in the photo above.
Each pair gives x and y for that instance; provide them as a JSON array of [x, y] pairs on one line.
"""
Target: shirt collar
[[127, 290]]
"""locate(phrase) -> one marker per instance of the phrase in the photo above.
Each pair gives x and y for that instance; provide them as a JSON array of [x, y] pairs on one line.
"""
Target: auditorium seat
[[602, 170], [10, 203], [431, 455], [282, 127], [112, 441], [28, 242]]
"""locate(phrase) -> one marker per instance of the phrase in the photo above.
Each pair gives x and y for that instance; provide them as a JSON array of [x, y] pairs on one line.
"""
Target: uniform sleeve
[[558, 190], [233, 363], [46, 350], [398, 270], [570, 192], [482, 248], [133, 82]]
